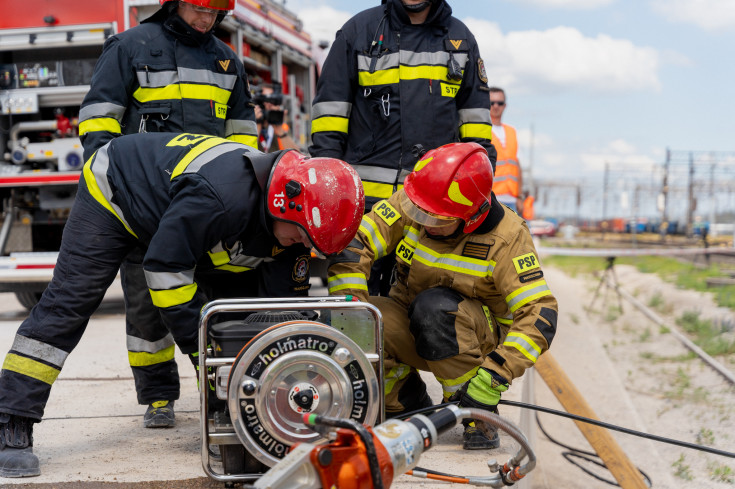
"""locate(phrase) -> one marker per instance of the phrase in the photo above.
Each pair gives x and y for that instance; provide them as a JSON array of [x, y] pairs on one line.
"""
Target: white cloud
[[322, 22], [709, 15], [568, 4], [563, 58]]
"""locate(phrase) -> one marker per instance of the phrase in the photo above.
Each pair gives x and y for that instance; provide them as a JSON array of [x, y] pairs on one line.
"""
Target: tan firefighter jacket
[[496, 265]]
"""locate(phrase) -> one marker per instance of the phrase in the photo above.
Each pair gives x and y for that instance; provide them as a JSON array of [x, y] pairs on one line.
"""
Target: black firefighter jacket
[[388, 85], [162, 76], [196, 203]]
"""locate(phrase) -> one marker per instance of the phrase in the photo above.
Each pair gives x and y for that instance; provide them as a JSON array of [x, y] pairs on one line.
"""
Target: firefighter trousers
[[150, 344], [93, 246], [442, 332]]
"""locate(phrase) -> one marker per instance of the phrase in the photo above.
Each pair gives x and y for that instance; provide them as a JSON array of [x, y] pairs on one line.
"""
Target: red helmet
[[223, 5], [323, 196], [449, 183]]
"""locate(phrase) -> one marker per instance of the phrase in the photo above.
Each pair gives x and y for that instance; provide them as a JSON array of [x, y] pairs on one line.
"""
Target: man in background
[[508, 176]]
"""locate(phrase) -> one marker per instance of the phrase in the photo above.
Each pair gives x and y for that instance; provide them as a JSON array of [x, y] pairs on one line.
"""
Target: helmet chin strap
[[417, 8]]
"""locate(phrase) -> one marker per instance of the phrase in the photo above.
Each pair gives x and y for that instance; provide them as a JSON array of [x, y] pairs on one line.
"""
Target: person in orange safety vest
[[508, 176]]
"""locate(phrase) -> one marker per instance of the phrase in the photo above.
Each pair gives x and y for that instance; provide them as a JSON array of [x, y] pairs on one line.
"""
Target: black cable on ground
[[609, 426], [587, 456]]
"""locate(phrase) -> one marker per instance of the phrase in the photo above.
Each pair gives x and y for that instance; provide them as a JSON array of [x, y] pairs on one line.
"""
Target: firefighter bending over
[[169, 74], [468, 301], [186, 198]]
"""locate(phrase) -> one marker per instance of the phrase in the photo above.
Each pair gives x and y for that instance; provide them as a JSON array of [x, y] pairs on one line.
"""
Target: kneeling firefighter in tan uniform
[[468, 301]]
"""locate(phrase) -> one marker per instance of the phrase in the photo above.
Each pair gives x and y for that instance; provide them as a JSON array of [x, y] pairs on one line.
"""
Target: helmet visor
[[425, 218]]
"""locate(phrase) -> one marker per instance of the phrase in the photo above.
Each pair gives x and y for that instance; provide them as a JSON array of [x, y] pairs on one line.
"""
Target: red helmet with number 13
[[450, 183], [323, 196]]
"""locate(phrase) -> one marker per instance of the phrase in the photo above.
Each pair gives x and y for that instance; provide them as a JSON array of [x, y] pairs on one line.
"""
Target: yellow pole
[[617, 462]]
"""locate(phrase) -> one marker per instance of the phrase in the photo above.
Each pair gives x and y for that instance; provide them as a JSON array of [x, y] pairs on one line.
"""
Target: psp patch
[[404, 252], [386, 212], [301, 269], [525, 263], [481, 73]]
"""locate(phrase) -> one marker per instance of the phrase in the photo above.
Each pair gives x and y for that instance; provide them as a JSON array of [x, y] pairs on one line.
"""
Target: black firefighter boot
[[478, 435], [16, 452]]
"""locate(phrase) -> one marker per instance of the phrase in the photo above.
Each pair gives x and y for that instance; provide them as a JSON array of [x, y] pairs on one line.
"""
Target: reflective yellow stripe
[[173, 297], [488, 316], [394, 375], [182, 91], [380, 77], [95, 192], [251, 141], [504, 321], [101, 124], [219, 258], [522, 344], [198, 149], [426, 73], [233, 268], [379, 190], [450, 386], [31, 368], [483, 131], [323, 124], [144, 359]]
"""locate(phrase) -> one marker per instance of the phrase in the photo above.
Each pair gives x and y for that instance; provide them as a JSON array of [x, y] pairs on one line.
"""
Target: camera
[[272, 96]]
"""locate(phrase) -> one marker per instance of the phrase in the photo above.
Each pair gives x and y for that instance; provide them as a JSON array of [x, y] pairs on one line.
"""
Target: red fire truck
[[48, 49]]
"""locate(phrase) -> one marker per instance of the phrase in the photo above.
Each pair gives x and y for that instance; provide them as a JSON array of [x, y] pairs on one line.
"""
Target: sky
[[592, 84]]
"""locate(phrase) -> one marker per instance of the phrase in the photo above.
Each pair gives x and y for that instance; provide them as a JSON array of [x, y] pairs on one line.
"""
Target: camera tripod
[[609, 279]]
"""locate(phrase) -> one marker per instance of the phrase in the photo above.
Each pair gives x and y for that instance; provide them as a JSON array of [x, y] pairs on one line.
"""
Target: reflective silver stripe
[[501, 178], [524, 344], [210, 154], [99, 167], [368, 227], [240, 126], [249, 261], [479, 116], [526, 294], [103, 109], [153, 79], [41, 351], [141, 345], [440, 58], [385, 62], [169, 280], [411, 234], [378, 174], [474, 267], [410, 58], [333, 109], [222, 80], [148, 79]]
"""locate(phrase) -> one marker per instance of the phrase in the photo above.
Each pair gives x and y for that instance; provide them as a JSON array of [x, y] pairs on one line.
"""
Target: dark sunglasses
[[494, 102]]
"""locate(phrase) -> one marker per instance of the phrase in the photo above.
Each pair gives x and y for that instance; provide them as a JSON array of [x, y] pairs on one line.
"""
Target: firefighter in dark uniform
[[169, 74], [398, 75], [190, 200], [470, 303]]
